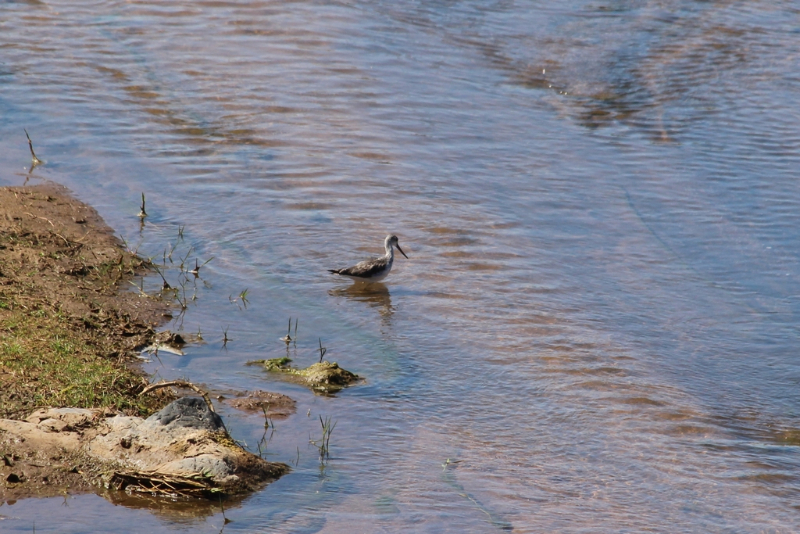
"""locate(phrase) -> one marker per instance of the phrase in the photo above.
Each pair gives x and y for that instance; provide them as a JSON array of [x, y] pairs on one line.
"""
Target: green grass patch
[[46, 361]]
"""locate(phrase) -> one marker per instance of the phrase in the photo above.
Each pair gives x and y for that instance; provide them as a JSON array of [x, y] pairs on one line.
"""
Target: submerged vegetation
[[323, 444]]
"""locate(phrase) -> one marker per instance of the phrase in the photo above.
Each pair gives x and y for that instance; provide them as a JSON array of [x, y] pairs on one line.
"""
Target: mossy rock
[[327, 377], [327, 374], [277, 364]]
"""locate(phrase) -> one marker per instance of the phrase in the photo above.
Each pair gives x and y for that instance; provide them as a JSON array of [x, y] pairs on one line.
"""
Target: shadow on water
[[180, 511], [376, 295], [322, 490], [497, 520]]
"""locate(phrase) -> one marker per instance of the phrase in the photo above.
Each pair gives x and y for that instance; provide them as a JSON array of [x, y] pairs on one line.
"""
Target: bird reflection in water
[[375, 294]]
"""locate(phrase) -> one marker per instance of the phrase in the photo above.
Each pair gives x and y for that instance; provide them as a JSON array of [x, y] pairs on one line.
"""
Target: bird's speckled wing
[[365, 269]]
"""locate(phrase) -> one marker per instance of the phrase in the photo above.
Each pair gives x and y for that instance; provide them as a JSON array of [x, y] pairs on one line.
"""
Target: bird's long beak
[[401, 250]]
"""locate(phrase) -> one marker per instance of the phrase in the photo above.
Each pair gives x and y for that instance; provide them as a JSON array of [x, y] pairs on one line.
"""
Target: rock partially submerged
[[326, 377], [182, 450]]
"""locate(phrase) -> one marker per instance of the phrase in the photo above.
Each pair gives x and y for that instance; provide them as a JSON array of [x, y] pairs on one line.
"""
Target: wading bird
[[376, 269]]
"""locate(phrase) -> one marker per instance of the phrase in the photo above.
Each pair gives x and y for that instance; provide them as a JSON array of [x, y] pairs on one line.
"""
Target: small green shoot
[[241, 298], [196, 270], [323, 444], [264, 441], [288, 338], [142, 212], [449, 462], [34, 160], [225, 338], [166, 285]]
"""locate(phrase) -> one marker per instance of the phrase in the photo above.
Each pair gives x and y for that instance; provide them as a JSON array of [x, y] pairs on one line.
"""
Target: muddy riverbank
[[71, 325]]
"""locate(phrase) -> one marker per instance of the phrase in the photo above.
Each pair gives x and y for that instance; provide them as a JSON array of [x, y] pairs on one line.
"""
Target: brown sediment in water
[[272, 405], [70, 326]]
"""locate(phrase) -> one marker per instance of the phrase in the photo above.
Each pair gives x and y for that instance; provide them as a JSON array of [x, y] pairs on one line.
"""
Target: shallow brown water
[[599, 317]]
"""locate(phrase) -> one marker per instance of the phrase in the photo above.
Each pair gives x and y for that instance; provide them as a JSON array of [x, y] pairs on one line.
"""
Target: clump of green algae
[[323, 376]]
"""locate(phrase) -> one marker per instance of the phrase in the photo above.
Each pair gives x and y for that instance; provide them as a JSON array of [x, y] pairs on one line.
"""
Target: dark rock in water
[[188, 412]]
